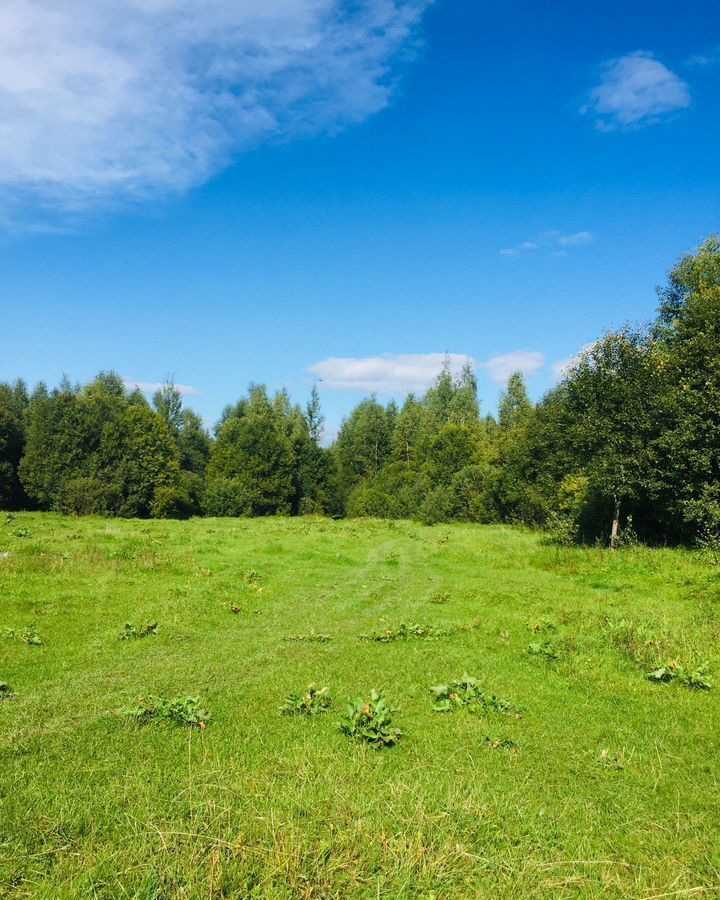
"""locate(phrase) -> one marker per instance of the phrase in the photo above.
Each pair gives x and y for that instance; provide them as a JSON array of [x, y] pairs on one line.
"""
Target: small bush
[[492, 743], [313, 637], [466, 692], [402, 632], [173, 711], [132, 632], [406, 631], [673, 671], [28, 636], [549, 649], [252, 579], [371, 721], [312, 703], [537, 625]]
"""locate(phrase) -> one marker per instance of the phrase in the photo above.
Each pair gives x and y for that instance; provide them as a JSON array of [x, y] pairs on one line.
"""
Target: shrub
[[371, 721], [174, 711], [406, 631], [28, 636], [87, 495], [547, 649], [131, 632], [313, 637], [673, 671], [403, 632], [314, 702], [466, 692]]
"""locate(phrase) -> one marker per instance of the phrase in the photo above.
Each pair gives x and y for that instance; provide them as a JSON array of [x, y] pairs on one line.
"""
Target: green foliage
[[493, 743], [696, 679], [371, 721], [25, 636], [313, 702], [13, 405], [250, 472], [97, 449], [403, 632], [312, 637], [515, 405], [253, 770], [173, 711], [132, 632], [466, 693], [624, 450], [538, 625], [549, 649], [415, 631]]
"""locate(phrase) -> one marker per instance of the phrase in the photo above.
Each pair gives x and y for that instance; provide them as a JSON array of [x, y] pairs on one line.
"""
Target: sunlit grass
[[602, 784]]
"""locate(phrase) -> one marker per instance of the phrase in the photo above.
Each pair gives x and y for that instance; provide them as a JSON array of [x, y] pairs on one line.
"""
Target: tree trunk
[[615, 524]]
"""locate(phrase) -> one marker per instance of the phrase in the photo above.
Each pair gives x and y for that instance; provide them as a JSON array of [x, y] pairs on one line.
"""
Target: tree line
[[628, 444]]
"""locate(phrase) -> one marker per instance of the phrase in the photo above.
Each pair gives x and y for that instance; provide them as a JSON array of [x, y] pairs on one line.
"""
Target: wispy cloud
[[391, 373], [398, 373], [502, 366], [122, 100], [635, 90], [554, 241], [149, 387], [562, 367], [703, 60]]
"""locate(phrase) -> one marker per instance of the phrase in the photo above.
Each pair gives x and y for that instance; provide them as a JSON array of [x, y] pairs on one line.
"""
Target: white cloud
[[635, 90], [149, 387], [118, 100], [391, 373], [554, 241], [502, 366], [562, 367], [575, 240], [701, 60]]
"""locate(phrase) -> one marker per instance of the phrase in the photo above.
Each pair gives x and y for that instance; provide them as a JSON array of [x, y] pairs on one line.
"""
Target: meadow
[[577, 776]]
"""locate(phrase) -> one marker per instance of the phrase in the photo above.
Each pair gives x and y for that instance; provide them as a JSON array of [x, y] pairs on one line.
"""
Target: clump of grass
[[440, 598], [312, 637], [371, 721], [405, 631], [312, 703], [642, 642], [402, 632], [172, 711], [492, 743], [6, 692], [132, 632], [466, 693], [655, 649], [538, 625], [548, 649], [27, 636], [252, 579], [696, 679]]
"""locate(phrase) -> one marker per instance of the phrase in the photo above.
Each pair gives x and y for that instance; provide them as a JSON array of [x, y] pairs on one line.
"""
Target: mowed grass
[[609, 788]]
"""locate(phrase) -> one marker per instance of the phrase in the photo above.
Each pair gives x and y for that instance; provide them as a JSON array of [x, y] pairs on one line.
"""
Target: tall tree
[[514, 403]]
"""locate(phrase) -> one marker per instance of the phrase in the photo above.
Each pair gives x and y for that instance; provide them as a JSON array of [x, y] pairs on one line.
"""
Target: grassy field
[[598, 783]]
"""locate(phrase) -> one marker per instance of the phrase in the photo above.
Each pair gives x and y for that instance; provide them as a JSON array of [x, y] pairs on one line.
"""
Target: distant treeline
[[627, 444]]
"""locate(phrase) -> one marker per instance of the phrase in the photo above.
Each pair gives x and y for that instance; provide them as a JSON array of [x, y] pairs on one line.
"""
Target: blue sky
[[344, 191]]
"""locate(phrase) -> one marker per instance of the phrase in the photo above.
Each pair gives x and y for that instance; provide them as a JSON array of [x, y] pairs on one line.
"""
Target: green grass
[[607, 786]]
